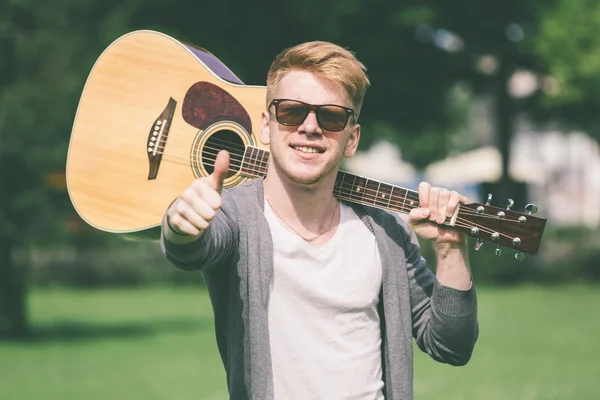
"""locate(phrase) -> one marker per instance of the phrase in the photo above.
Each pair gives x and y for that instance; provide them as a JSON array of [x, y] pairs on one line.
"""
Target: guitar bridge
[[157, 138]]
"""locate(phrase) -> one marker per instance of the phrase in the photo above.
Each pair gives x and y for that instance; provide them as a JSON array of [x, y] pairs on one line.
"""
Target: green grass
[[158, 343]]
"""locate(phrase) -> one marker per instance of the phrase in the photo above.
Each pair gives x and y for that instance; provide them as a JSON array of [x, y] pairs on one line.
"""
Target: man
[[315, 298]]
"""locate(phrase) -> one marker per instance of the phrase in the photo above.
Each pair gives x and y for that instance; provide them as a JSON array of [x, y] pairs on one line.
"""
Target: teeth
[[306, 149]]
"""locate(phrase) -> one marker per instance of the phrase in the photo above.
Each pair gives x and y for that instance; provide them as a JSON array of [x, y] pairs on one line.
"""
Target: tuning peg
[[498, 250], [478, 244], [489, 199], [509, 204], [520, 256], [531, 209]]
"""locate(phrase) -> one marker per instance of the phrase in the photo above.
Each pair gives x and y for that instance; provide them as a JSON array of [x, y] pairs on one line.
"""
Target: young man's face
[[306, 153]]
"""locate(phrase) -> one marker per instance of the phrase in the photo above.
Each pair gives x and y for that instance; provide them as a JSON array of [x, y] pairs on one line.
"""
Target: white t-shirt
[[323, 323]]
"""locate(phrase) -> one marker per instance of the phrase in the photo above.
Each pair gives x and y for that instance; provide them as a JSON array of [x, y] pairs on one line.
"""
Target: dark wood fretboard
[[349, 187]]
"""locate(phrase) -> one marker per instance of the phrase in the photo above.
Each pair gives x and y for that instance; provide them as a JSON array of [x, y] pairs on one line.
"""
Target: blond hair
[[326, 60]]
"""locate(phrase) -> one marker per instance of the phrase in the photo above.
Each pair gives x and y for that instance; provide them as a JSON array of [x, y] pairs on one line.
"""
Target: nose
[[310, 125]]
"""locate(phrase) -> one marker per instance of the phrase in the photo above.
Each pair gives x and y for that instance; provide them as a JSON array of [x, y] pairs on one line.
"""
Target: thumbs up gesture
[[191, 213]]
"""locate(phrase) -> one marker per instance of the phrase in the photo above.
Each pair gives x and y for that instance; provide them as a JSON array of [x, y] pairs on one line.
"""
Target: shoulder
[[245, 196]]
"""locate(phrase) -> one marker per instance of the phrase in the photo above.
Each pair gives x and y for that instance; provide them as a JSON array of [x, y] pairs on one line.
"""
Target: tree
[[416, 53], [569, 46], [46, 54]]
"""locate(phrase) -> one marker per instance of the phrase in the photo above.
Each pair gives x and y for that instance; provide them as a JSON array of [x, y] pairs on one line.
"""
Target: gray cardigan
[[235, 257]]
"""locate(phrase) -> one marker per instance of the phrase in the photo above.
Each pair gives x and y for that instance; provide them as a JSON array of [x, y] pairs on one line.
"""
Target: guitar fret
[[358, 189], [263, 167], [391, 197], [385, 191], [352, 187], [254, 156], [363, 190], [371, 190], [245, 162], [339, 182]]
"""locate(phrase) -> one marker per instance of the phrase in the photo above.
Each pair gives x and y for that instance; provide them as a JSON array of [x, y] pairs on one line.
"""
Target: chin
[[308, 176], [306, 180]]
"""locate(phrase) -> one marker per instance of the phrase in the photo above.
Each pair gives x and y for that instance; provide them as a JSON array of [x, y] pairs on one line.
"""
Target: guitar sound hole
[[223, 140]]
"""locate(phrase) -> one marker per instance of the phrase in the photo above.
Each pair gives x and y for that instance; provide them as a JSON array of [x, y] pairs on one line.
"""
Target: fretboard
[[349, 187]]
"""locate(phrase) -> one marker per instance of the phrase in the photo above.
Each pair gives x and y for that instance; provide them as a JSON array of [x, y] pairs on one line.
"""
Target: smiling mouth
[[306, 149]]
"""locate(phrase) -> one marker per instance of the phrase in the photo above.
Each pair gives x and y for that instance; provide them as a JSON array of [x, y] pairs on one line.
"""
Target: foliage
[[417, 55], [569, 45]]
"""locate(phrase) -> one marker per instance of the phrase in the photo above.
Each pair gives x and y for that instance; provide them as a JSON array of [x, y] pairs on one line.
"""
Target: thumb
[[220, 171], [418, 215]]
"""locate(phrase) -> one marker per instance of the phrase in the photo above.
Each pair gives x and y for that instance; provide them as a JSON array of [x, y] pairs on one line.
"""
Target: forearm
[[444, 317], [182, 253], [452, 266]]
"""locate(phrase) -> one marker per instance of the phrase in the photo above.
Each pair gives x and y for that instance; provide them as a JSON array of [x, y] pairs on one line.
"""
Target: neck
[[308, 207]]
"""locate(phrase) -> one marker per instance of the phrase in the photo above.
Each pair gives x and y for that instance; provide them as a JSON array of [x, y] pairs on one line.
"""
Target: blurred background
[[479, 96]]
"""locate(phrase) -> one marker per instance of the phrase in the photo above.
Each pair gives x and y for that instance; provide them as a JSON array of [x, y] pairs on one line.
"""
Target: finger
[[434, 198], [204, 210], [220, 172], [443, 199], [187, 213], [204, 191], [424, 194], [455, 198], [196, 220], [195, 210], [180, 222]]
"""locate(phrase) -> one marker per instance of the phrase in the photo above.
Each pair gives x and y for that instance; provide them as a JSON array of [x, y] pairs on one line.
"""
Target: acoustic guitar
[[155, 112]]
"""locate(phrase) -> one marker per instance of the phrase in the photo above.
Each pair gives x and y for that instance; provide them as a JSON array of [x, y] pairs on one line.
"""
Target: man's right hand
[[193, 210]]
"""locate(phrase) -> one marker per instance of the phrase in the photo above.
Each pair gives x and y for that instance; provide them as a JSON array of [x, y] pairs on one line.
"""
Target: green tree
[[416, 54], [46, 54], [568, 44]]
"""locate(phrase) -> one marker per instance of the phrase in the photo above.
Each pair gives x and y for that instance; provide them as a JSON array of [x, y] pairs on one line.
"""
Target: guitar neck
[[504, 227], [349, 187]]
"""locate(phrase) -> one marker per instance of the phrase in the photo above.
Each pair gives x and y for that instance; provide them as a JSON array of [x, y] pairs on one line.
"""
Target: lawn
[[158, 343]]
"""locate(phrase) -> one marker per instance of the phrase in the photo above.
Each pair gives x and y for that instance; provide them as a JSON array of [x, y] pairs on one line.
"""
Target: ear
[[352, 141], [265, 128]]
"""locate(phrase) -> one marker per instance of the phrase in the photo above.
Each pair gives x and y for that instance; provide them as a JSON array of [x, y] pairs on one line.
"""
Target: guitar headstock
[[505, 227]]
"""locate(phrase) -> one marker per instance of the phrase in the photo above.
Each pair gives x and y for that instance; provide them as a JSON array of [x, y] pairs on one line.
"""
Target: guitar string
[[227, 145], [413, 196], [460, 222], [170, 139], [239, 158], [348, 195], [373, 199], [366, 188], [235, 158]]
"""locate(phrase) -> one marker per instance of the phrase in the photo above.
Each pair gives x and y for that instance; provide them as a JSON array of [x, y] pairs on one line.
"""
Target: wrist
[[444, 250]]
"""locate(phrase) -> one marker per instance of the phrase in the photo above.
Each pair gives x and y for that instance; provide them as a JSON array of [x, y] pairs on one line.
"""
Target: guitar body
[[150, 118], [155, 112]]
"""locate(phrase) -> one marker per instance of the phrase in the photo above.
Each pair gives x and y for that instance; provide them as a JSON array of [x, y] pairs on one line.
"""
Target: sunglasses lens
[[291, 112], [332, 118]]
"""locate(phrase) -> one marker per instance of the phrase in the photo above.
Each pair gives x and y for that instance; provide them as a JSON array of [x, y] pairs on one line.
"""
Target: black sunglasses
[[330, 117]]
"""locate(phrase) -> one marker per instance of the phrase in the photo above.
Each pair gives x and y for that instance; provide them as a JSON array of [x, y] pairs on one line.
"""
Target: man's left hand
[[436, 206]]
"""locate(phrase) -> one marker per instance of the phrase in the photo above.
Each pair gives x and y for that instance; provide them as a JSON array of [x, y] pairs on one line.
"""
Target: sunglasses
[[330, 117]]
